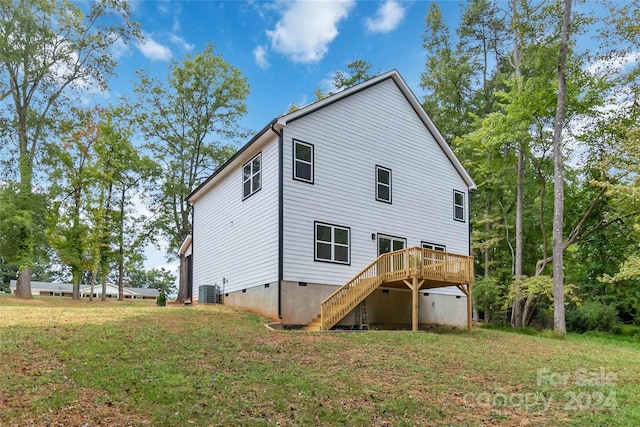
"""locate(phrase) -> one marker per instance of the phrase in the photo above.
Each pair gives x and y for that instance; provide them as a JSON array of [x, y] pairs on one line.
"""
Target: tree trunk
[[559, 325], [76, 278], [25, 248], [93, 284], [184, 273], [23, 284], [487, 252], [487, 313], [121, 248], [517, 303], [516, 313], [182, 284]]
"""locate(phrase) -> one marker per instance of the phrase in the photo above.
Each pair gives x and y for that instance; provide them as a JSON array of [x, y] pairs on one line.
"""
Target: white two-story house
[[319, 194]]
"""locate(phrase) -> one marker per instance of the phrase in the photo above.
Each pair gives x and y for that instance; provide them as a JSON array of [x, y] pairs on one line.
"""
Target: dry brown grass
[[77, 363]]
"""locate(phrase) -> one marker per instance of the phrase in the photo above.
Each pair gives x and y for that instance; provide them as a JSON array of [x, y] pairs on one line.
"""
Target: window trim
[[294, 160], [253, 191], [462, 206], [433, 246], [378, 198], [390, 237], [315, 243]]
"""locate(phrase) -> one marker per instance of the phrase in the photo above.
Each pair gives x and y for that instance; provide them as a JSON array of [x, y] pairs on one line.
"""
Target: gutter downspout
[[280, 216]]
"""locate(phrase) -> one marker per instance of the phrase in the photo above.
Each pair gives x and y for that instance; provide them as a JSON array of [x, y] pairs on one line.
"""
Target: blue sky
[[286, 49]]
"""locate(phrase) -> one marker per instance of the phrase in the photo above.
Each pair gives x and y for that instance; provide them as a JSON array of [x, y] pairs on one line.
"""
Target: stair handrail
[[397, 264]]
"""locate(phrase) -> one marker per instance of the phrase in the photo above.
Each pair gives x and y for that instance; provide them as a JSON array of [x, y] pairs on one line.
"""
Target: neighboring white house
[[66, 290], [319, 194]]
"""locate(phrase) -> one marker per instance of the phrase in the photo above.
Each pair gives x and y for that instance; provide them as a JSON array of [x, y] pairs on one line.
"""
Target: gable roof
[[277, 124]]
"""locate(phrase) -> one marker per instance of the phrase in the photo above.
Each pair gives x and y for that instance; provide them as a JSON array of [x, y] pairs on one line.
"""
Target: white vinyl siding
[[376, 126], [303, 161], [235, 240]]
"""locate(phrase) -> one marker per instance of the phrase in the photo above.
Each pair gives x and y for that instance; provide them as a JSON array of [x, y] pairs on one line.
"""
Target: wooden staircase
[[439, 268], [314, 325]]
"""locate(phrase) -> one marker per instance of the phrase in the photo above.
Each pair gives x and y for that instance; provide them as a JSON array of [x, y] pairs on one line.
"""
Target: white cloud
[[327, 84], [307, 28], [387, 18], [163, 7], [153, 50], [181, 42], [260, 54], [120, 49], [614, 65]]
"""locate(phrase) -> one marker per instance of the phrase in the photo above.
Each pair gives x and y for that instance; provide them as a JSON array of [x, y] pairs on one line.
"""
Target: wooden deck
[[416, 268]]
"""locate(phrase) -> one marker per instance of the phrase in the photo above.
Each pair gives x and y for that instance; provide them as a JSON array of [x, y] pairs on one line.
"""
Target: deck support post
[[415, 292], [469, 304]]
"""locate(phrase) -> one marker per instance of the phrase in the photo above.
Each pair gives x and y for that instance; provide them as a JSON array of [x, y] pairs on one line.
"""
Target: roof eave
[[201, 189]]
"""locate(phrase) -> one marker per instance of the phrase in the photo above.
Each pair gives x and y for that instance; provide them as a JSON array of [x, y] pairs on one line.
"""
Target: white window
[[434, 247], [383, 184], [302, 161], [390, 243], [458, 205], [251, 176], [332, 243], [434, 259]]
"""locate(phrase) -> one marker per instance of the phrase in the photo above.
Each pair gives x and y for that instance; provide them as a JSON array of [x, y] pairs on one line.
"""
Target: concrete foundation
[[393, 307], [262, 299], [437, 309], [301, 303]]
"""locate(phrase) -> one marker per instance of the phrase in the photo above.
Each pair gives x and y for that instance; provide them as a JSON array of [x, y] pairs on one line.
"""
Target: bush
[[629, 331], [161, 301], [593, 316]]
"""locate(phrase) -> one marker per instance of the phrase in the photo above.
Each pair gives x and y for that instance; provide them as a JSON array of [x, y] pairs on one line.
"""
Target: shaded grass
[[212, 365]]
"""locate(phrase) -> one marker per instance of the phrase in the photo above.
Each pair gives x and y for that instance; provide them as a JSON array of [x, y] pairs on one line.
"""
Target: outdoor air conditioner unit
[[209, 294]]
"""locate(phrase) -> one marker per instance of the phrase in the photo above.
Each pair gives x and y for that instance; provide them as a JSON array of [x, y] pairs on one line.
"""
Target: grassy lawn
[[80, 363]]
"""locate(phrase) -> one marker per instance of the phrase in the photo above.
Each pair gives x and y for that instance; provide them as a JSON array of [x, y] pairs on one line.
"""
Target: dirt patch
[[89, 408]]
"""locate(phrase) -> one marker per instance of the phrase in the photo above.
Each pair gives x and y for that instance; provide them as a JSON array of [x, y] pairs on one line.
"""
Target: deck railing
[[392, 267]]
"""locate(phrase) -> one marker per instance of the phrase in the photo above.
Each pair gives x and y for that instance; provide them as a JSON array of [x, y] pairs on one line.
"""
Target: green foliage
[[627, 330], [38, 40], [492, 92], [184, 117], [161, 300], [155, 278], [592, 316], [487, 294], [359, 71], [541, 286], [16, 225], [94, 172], [447, 79]]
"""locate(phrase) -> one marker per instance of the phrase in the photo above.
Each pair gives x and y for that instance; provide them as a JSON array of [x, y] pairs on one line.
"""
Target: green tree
[[359, 70], [11, 228], [48, 50], [200, 101], [447, 79], [499, 120], [72, 176], [128, 171], [155, 278]]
